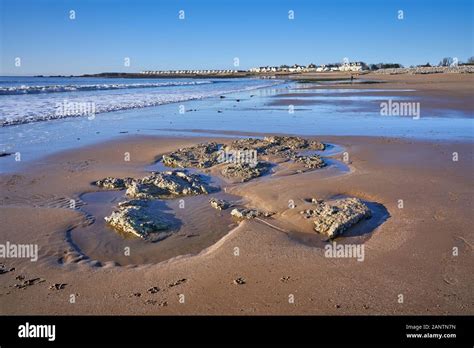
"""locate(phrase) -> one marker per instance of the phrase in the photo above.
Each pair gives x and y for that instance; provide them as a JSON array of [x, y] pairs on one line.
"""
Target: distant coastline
[[469, 69]]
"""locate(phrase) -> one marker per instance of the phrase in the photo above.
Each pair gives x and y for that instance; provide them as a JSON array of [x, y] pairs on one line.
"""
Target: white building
[[353, 66]]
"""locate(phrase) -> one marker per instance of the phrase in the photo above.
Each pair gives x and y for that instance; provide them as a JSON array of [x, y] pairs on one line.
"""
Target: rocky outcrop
[[334, 219], [313, 161], [237, 165], [111, 183], [219, 204], [282, 146], [245, 213], [200, 156], [260, 145], [139, 218], [168, 184], [280, 143], [245, 171]]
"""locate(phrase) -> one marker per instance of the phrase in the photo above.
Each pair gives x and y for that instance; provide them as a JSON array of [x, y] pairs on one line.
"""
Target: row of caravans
[[187, 72], [355, 67]]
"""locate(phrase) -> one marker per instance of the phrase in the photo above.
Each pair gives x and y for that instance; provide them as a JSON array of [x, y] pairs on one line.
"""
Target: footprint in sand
[[453, 196], [153, 290], [29, 282], [439, 216], [57, 286], [178, 282], [240, 281], [154, 302], [449, 274], [4, 269]]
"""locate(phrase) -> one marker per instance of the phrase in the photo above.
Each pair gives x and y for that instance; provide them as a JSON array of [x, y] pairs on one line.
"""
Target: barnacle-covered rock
[[334, 219], [138, 217], [245, 213], [313, 161], [245, 171], [111, 183], [203, 155], [168, 184]]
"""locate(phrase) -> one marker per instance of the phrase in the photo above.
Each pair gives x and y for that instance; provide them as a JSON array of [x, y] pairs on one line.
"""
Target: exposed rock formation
[[219, 204], [167, 184], [333, 220], [313, 161], [260, 145], [200, 156], [244, 213], [282, 146], [210, 154], [139, 218], [245, 171], [111, 183], [142, 218], [293, 143]]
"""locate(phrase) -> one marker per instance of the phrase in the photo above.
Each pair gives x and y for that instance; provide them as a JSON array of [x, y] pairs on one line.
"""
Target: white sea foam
[[25, 89], [33, 107]]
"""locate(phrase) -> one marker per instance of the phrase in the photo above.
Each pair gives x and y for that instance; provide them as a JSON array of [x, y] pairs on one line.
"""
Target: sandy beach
[[418, 243], [282, 267], [436, 91]]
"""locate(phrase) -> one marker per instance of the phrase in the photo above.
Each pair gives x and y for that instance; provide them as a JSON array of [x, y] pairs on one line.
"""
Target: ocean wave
[[23, 89], [14, 110]]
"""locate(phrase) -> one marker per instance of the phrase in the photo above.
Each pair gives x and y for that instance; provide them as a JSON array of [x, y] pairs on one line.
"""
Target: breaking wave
[[35, 107], [23, 89]]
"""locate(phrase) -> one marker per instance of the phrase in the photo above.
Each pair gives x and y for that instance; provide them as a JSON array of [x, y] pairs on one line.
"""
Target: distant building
[[188, 72], [297, 68], [354, 66]]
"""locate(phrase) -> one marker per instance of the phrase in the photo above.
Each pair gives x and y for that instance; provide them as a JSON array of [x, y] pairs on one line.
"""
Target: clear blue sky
[[258, 32]]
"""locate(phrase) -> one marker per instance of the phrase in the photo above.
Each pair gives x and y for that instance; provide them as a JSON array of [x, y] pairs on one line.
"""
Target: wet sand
[[435, 92], [408, 250]]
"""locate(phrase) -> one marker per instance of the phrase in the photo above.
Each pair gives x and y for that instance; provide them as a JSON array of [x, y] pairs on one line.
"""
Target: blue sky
[[150, 33]]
